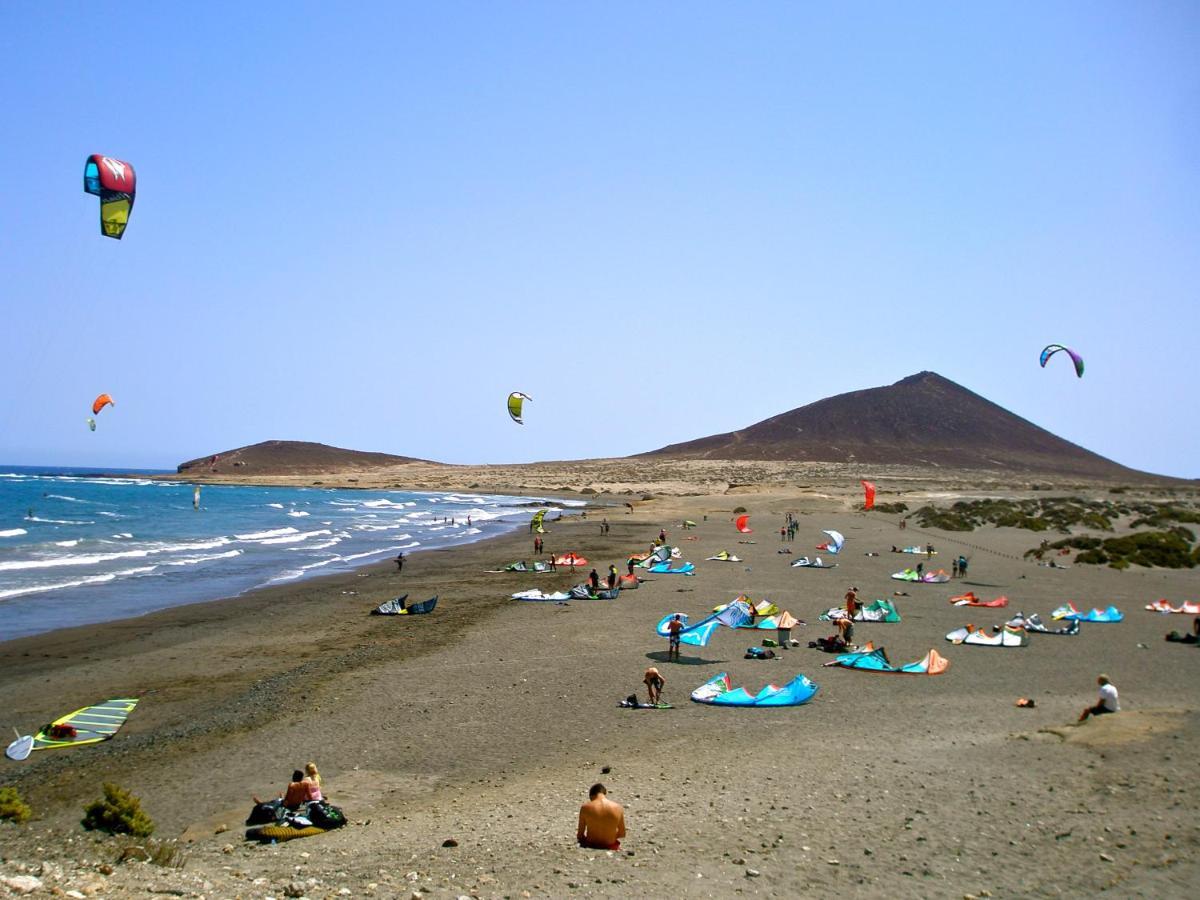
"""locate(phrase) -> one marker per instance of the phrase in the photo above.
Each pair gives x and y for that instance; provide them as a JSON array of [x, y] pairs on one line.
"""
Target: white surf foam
[[259, 535], [297, 513], [13, 532], [193, 560], [79, 582], [295, 538], [91, 559]]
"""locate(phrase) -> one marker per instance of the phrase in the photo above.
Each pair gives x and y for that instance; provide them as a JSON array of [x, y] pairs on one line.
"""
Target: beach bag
[[759, 653], [324, 814], [266, 813]]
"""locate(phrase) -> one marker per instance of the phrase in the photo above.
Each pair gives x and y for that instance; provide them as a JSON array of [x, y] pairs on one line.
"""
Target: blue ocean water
[[78, 547]]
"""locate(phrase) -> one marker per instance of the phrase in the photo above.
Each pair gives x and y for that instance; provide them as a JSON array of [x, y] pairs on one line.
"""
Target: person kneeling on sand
[[1107, 703], [601, 821]]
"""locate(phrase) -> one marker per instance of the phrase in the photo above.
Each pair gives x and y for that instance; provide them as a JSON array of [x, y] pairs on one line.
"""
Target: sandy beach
[[486, 722]]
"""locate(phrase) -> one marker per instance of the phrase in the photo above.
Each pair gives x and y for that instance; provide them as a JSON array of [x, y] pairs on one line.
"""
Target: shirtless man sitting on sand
[[601, 821]]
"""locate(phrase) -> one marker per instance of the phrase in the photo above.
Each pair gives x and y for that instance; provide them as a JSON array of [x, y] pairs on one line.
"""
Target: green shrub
[[12, 807], [1169, 549], [117, 812], [891, 508], [738, 510]]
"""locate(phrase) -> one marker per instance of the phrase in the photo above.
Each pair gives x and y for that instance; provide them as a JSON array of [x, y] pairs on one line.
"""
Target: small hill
[[292, 458], [920, 420]]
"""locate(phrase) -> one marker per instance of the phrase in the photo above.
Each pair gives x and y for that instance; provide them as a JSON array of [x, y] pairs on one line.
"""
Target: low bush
[[12, 807], [117, 812], [1169, 549]]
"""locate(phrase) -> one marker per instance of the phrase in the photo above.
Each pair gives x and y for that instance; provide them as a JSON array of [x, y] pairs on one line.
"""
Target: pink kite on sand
[[1164, 606]]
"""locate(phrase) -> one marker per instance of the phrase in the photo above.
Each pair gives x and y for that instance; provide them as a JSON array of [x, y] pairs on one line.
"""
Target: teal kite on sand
[[875, 660], [1068, 611], [718, 691]]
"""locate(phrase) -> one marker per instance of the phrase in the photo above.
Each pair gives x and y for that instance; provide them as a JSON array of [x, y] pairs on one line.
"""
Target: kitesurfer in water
[[601, 821]]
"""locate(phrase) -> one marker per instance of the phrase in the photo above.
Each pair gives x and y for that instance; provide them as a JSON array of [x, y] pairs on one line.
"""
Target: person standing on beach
[[852, 604], [662, 535], [629, 565], [674, 634], [553, 564], [601, 821], [1107, 703], [399, 562], [594, 580], [962, 566], [612, 576]]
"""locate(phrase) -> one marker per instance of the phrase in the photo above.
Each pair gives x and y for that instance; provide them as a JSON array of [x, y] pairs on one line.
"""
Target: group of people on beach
[[304, 787]]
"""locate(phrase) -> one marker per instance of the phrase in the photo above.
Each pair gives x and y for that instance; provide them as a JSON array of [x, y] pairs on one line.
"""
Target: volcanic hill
[[292, 458], [923, 419]]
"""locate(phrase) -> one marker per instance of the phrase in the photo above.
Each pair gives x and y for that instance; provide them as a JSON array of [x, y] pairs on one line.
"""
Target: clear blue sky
[[364, 224]]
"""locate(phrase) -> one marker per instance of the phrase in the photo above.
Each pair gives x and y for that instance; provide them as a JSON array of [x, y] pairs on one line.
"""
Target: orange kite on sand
[[969, 599]]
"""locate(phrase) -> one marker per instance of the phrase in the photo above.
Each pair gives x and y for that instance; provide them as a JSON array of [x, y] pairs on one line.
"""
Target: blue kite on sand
[[718, 691]]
